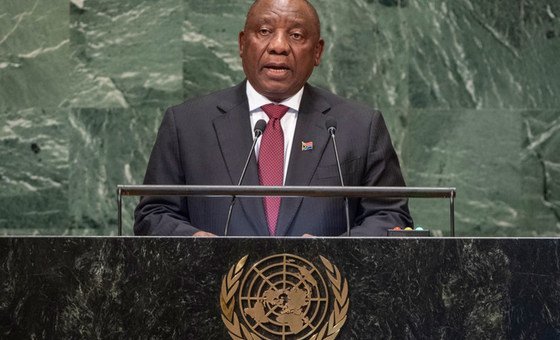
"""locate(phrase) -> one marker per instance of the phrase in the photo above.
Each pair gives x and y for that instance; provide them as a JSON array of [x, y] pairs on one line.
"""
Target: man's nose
[[279, 44]]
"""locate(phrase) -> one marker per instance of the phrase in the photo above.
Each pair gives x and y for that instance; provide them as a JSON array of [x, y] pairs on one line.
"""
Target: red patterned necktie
[[271, 161]]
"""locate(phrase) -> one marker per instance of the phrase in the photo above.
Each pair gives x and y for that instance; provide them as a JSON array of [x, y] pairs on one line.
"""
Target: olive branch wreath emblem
[[238, 331]]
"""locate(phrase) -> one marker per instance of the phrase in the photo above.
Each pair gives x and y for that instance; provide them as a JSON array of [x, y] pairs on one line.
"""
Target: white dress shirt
[[288, 122]]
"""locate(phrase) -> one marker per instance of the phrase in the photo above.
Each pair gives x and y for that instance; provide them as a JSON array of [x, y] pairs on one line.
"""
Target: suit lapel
[[233, 130], [310, 128]]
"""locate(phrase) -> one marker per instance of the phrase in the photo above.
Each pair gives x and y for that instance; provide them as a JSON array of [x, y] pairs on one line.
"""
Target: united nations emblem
[[284, 297]]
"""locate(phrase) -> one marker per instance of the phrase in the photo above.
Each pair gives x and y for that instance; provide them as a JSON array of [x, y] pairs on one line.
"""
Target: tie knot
[[274, 111]]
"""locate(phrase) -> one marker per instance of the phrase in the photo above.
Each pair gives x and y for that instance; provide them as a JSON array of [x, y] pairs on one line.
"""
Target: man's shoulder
[[222, 98]]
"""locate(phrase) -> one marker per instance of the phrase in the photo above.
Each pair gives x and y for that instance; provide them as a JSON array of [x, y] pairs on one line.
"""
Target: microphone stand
[[259, 127], [332, 130]]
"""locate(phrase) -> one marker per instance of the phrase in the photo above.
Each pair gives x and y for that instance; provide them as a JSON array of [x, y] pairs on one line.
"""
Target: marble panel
[[480, 153], [210, 49], [366, 52], [484, 54], [34, 171], [34, 54], [127, 53], [540, 166], [108, 147]]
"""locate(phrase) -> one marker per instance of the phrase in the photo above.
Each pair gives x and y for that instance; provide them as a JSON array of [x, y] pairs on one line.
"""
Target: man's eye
[[297, 36], [264, 31]]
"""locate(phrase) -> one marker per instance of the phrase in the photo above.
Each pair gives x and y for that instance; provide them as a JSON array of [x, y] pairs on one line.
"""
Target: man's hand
[[203, 234], [308, 235]]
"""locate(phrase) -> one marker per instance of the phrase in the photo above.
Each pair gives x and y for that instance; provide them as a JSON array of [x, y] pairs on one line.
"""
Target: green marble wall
[[470, 90]]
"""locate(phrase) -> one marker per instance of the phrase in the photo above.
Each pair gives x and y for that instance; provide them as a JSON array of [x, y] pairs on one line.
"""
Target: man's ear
[[241, 42], [319, 51]]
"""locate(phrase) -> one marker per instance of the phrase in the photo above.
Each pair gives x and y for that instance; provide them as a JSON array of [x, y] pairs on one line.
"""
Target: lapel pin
[[306, 146]]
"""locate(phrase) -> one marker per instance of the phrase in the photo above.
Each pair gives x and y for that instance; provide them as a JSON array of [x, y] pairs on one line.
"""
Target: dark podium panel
[[162, 288]]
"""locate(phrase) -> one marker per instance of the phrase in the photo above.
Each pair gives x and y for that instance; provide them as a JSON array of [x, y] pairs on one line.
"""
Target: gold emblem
[[284, 297]]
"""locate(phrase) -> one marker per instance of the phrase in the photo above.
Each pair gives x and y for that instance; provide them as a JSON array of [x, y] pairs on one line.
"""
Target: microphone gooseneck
[[258, 131], [330, 124]]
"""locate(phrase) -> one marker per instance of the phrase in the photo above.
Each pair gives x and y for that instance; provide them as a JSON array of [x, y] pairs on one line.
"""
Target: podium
[[235, 191], [132, 287]]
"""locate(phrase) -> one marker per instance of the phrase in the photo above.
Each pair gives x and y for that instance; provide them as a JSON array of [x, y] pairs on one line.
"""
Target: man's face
[[279, 47]]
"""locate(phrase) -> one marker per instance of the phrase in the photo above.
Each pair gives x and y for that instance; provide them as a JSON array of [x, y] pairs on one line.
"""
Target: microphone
[[331, 128], [258, 131]]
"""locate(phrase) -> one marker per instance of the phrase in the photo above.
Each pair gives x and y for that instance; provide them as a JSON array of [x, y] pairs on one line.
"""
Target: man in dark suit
[[204, 141]]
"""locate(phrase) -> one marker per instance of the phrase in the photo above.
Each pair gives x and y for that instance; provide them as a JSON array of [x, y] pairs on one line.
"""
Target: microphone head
[[259, 127], [330, 124]]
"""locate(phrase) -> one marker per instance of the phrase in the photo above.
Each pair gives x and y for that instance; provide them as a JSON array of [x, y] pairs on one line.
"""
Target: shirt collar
[[256, 100]]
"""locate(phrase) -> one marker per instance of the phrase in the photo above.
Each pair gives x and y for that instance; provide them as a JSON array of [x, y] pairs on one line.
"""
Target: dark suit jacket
[[205, 141]]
